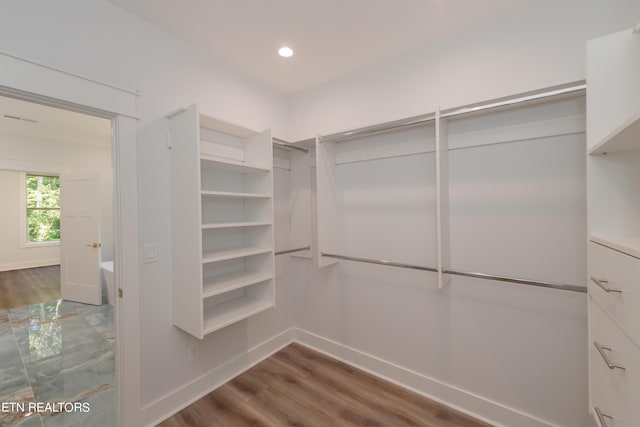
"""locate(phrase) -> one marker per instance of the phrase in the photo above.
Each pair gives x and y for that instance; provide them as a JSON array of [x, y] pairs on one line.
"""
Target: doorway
[[29, 80], [57, 351]]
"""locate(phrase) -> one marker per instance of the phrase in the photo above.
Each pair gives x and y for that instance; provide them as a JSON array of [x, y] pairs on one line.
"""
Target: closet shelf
[[228, 254], [235, 224], [629, 245], [230, 195], [220, 315], [625, 137], [229, 165], [229, 282], [223, 210]]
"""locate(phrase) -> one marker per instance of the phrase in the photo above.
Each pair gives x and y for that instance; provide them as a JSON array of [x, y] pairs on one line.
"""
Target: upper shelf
[[629, 245], [625, 137], [230, 165], [234, 195]]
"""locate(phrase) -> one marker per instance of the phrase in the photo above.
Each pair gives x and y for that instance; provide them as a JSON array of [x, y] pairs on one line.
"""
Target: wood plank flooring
[[29, 286], [300, 387]]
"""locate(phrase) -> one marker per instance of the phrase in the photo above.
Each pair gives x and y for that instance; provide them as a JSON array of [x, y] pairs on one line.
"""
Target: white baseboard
[[166, 406], [29, 264], [464, 401]]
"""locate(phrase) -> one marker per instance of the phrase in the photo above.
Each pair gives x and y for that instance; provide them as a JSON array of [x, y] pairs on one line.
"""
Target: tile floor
[[57, 351]]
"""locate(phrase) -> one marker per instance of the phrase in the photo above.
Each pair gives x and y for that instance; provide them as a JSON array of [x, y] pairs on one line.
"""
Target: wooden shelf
[[625, 137], [230, 195], [235, 224], [629, 245], [228, 254], [220, 315], [230, 165], [229, 282]]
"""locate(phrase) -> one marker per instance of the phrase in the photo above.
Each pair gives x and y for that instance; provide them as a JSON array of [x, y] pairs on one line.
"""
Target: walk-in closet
[[361, 213]]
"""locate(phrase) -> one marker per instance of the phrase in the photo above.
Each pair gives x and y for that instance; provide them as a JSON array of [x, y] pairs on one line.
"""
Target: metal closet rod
[[288, 145], [517, 280], [337, 137], [381, 262], [288, 251], [538, 283]]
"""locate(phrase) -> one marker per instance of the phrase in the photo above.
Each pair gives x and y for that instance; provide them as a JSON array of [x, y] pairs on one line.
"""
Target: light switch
[[150, 252]]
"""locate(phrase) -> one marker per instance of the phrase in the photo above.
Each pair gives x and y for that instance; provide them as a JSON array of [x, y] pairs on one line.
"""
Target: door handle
[[95, 245]]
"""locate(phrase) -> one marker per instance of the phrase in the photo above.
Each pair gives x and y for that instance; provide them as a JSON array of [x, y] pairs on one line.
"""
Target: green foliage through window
[[43, 208]]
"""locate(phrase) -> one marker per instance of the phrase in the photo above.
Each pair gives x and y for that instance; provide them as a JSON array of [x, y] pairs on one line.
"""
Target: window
[[43, 208]]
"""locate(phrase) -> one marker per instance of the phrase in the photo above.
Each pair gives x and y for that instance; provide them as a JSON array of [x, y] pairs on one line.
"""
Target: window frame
[[22, 215]]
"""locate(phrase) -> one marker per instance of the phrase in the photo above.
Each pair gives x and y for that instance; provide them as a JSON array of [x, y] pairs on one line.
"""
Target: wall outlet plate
[[193, 351], [150, 252]]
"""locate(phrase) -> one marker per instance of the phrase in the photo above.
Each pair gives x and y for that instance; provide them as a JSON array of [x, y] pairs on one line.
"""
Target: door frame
[[30, 81]]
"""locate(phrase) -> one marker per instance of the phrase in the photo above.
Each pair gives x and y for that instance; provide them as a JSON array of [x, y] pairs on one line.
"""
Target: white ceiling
[[41, 121], [330, 38]]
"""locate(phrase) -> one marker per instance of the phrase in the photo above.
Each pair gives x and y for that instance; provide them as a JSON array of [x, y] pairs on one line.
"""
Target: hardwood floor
[[29, 286], [300, 387]]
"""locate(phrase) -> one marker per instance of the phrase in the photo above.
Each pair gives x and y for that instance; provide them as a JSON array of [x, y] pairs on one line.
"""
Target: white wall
[[508, 353], [97, 39], [36, 154], [542, 45]]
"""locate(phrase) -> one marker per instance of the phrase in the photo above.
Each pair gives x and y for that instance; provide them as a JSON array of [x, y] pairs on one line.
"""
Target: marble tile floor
[[57, 351]]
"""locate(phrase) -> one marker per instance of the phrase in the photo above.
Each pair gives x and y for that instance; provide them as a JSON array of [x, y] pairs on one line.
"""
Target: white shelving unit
[[222, 222], [613, 179], [613, 141]]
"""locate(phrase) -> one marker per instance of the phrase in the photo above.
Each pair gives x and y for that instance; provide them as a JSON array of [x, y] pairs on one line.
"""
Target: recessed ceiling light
[[285, 52]]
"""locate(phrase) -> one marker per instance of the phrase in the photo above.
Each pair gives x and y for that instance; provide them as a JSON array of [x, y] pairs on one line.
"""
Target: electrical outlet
[[193, 351]]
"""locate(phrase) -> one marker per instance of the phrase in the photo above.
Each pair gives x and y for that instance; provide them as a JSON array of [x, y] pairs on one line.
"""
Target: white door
[[80, 278]]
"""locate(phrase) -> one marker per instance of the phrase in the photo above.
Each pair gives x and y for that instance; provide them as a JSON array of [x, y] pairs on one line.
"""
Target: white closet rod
[[537, 283], [398, 124], [418, 120]]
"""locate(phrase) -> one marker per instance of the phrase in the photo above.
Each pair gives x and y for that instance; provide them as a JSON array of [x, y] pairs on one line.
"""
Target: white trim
[[17, 165], [166, 406], [27, 79], [80, 76], [29, 264], [35, 245], [126, 271], [454, 397]]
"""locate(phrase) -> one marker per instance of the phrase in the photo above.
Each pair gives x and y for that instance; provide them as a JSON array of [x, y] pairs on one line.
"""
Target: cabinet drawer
[[615, 370], [621, 274]]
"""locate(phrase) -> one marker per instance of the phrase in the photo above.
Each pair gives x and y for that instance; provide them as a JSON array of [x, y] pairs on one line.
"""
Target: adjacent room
[[320, 213], [57, 340]]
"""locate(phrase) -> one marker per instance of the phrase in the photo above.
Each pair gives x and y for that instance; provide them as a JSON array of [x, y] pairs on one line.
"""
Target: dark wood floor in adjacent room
[[300, 387], [29, 286]]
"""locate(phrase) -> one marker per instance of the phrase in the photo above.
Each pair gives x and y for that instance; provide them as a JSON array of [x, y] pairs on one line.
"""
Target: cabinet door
[[614, 283], [615, 375]]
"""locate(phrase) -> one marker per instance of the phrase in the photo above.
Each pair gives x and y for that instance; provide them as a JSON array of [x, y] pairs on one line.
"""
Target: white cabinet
[[221, 223], [613, 182]]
